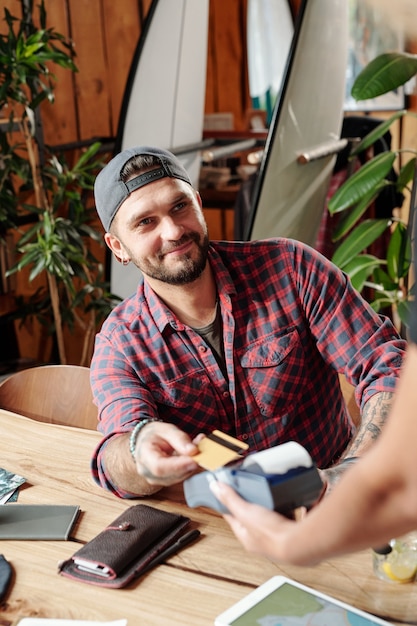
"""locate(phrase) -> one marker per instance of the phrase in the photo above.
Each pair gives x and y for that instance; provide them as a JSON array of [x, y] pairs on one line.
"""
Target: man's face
[[160, 227]]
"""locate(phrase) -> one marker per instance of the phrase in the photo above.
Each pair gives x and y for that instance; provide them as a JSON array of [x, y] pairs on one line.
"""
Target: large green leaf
[[383, 300], [350, 218], [377, 133], [385, 73], [399, 252], [404, 311], [406, 174], [87, 155], [361, 182], [384, 281], [360, 268], [358, 240]]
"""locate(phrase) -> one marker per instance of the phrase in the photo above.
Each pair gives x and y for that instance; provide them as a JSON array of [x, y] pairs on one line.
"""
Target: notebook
[[37, 521]]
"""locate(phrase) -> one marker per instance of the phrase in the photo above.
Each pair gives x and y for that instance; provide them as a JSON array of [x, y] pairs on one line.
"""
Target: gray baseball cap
[[110, 191]]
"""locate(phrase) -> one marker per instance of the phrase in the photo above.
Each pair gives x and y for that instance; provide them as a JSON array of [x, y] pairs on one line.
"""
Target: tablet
[[284, 602]]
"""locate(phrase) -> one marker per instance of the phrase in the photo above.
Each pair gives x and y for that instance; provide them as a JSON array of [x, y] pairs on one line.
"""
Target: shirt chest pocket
[[182, 393], [273, 367]]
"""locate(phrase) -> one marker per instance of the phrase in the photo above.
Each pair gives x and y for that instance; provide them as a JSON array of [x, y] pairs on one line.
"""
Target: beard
[[189, 268]]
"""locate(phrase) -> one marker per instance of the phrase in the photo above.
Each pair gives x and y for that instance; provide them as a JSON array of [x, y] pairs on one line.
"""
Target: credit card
[[218, 449]]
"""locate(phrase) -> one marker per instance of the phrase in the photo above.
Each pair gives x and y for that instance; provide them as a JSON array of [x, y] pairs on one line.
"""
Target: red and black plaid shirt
[[291, 321]]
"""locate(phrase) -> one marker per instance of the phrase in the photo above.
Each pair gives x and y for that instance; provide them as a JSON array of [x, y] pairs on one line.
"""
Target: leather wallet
[[126, 548]]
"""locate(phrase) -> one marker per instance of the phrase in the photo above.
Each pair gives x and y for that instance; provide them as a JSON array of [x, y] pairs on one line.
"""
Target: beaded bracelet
[[135, 433]]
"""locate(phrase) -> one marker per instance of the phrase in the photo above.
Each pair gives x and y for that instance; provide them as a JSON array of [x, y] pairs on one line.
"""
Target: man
[[244, 337]]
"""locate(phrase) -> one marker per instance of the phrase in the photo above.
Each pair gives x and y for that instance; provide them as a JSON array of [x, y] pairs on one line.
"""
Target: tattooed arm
[[374, 416]]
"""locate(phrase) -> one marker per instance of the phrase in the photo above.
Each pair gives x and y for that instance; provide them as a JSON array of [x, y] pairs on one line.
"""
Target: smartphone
[[92, 568]]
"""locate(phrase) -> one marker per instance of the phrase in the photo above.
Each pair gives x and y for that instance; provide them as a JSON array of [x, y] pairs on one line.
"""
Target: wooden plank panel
[[92, 86], [227, 77], [122, 27], [59, 118]]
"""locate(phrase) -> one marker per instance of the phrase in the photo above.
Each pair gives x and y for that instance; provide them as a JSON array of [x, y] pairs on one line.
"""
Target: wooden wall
[[105, 34], [87, 104]]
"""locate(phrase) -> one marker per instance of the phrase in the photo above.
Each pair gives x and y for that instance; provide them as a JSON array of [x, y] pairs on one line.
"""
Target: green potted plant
[[40, 189], [386, 277]]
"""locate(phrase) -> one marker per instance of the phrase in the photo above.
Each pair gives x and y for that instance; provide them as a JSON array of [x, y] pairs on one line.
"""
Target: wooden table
[[191, 588]]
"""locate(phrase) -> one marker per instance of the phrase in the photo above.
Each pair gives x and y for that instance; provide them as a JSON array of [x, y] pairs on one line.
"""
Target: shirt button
[[226, 394], [202, 349], [245, 436]]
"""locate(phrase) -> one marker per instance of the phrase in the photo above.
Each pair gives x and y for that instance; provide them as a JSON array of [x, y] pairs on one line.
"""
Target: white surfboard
[[164, 98], [288, 198]]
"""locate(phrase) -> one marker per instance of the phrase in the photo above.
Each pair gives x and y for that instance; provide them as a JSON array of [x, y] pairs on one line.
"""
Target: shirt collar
[[163, 316]]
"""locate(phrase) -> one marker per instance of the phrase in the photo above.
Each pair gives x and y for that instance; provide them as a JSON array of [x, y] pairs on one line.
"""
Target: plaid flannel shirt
[[291, 322]]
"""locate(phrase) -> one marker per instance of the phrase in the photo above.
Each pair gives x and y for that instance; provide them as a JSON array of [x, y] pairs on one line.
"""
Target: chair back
[[58, 394]]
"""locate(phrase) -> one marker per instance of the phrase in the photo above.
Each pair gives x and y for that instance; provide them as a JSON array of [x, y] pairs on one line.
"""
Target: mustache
[[177, 244]]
